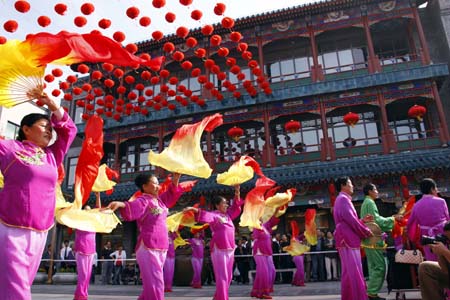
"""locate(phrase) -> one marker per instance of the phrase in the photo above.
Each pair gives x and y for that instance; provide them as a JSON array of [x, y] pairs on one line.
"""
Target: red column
[[443, 129], [425, 54], [412, 44], [327, 151], [269, 157], [316, 68], [260, 52], [373, 61], [387, 136], [117, 154]]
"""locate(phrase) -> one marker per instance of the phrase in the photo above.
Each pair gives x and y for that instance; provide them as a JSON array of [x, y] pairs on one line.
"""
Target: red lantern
[[417, 111], [292, 126], [351, 119], [235, 133]]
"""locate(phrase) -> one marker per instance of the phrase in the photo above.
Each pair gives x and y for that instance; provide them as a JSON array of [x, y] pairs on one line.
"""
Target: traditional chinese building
[[359, 88]]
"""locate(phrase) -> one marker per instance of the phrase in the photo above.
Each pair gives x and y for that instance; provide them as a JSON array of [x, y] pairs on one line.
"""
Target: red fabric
[[254, 164], [256, 195], [295, 229], [88, 47], [61, 174], [89, 160]]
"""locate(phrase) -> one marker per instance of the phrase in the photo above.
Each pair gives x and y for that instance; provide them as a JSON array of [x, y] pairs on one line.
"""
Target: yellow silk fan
[[21, 80]]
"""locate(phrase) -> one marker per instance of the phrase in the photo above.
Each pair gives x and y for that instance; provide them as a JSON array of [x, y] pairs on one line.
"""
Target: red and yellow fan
[[21, 79]]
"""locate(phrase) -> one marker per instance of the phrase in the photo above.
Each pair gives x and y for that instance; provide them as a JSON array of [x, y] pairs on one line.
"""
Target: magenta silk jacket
[[349, 228], [28, 197], [198, 247], [221, 225], [430, 213], [151, 213], [263, 238], [84, 242]]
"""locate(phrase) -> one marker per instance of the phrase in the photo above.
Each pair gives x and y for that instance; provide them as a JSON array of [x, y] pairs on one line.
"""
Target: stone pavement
[[312, 291]]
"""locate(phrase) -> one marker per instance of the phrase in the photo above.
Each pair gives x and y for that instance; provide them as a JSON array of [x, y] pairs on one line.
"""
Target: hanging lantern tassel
[[235, 133], [417, 111], [292, 126], [351, 119]]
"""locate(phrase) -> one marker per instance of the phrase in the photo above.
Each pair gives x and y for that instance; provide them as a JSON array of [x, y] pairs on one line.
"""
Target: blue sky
[[115, 11]]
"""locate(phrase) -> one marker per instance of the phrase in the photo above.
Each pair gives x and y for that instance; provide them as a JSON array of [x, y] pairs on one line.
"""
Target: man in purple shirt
[[350, 230]]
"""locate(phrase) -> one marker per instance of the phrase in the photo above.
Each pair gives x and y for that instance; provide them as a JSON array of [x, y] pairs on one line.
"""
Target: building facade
[[366, 61]]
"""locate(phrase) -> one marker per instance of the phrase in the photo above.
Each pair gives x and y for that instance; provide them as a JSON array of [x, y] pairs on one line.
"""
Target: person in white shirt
[[119, 262], [65, 254]]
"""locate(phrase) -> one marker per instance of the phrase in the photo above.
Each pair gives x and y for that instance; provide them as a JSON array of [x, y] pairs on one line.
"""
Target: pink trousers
[[169, 269], [222, 261], [353, 285], [263, 284], [151, 266], [299, 276], [84, 270], [20, 255], [197, 264]]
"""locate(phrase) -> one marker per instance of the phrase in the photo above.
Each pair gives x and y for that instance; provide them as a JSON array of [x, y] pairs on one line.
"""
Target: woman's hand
[[114, 205], [368, 218], [237, 191], [46, 100]]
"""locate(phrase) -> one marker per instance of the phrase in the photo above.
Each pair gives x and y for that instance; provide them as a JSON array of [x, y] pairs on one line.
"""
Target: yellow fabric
[[60, 200], [184, 154], [92, 220], [102, 182], [179, 241], [180, 218], [296, 248], [274, 202], [18, 74], [238, 173], [2, 183]]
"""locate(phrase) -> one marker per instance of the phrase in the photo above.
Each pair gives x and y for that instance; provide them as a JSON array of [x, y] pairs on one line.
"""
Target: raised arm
[[235, 210], [64, 127], [173, 193]]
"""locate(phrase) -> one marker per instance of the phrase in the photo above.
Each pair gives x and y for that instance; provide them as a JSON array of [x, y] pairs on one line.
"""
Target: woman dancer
[[222, 243], [262, 252], [27, 201], [197, 246], [150, 211]]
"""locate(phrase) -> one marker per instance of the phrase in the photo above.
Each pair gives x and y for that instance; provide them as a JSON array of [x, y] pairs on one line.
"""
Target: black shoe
[[376, 297]]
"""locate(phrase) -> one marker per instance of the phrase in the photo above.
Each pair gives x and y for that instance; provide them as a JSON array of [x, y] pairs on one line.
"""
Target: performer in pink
[[348, 235], [430, 213], [198, 247], [222, 242], [299, 276], [169, 264], [27, 201], [150, 211], [262, 253], [84, 254]]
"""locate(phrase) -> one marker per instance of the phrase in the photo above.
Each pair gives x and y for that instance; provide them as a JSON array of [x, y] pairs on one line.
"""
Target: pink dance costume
[[153, 242], [222, 245], [262, 252], [350, 230], [198, 247], [27, 205], [84, 255]]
